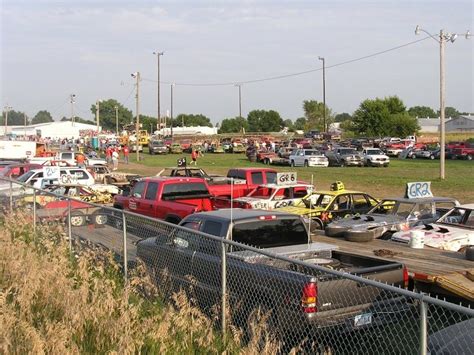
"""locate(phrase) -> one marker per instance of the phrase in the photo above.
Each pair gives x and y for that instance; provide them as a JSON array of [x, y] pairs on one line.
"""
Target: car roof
[[276, 186], [469, 206], [421, 199], [254, 169], [239, 213], [173, 178], [337, 193]]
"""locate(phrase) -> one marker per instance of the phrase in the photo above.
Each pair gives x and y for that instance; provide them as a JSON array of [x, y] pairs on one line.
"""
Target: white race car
[[272, 196], [453, 231]]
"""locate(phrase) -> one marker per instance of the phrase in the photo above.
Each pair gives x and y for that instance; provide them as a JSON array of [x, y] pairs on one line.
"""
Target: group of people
[[112, 155]]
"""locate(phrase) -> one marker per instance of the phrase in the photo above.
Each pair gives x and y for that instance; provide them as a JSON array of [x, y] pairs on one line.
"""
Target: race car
[[454, 231], [390, 216], [323, 207], [273, 196]]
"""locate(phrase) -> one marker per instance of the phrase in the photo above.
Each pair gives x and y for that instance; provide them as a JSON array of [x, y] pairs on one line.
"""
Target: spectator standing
[[194, 156], [115, 158], [108, 154], [80, 159], [126, 152]]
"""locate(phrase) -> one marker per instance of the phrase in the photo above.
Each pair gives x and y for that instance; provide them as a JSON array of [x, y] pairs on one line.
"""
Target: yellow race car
[[322, 207]]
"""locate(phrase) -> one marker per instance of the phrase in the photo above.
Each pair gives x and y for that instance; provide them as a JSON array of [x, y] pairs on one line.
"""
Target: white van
[[71, 175]]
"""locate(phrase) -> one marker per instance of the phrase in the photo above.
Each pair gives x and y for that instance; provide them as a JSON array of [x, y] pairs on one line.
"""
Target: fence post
[[423, 327], [34, 212], [125, 258], [69, 227], [223, 289], [11, 196]]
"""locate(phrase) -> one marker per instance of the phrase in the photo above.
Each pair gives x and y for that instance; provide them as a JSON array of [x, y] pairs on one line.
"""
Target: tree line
[[374, 117]]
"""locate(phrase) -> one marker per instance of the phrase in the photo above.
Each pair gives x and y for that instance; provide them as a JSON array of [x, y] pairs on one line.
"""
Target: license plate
[[363, 319]]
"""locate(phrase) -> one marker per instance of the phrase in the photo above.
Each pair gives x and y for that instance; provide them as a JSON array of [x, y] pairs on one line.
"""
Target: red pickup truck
[[464, 153], [167, 198]]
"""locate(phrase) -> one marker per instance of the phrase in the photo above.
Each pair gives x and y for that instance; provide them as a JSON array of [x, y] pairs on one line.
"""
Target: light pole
[[443, 37], [24, 122], [7, 108], [171, 113], [72, 96], [324, 93], [116, 120], [136, 75], [158, 54]]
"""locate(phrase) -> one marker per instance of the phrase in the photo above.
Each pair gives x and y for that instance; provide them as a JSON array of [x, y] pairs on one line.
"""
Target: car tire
[[305, 163], [78, 219], [470, 252], [316, 225], [413, 156], [360, 237], [469, 157], [432, 157], [292, 163], [99, 219]]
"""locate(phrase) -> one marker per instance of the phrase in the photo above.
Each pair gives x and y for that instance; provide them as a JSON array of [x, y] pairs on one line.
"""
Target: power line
[[284, 76]]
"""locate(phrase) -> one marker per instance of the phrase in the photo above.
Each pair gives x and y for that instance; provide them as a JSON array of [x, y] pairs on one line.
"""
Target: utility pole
[[136, 75], [324, 93], [24, 122], [158, 54], [171, 113], [7, 108], [72, 108], [443, 37], [240, 99], [116, 120], [97, 114]]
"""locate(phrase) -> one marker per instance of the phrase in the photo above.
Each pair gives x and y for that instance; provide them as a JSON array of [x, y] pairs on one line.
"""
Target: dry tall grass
[[55, 302]]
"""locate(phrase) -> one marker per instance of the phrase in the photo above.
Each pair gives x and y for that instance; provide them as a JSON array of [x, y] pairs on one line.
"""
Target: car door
[[362, 203], [340, 206], [148, 203], [136, 196]]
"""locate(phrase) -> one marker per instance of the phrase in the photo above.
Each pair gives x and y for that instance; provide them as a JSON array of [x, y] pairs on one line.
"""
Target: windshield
[[391, 207], [26, 176], [157, 143], [312, 152], [319, 200], [270, 233], [460, 217], [373, 152], [347, 151], [262, 192]]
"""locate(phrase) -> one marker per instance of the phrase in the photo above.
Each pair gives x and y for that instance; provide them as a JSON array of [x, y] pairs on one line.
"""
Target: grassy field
[[380, 182]]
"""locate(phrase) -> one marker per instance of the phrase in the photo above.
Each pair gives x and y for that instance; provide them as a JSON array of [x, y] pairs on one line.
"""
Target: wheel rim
[[77, 220], [101, 219]]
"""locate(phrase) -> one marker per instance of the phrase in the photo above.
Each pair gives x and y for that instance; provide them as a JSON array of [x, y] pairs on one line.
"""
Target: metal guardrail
[[278, 299]]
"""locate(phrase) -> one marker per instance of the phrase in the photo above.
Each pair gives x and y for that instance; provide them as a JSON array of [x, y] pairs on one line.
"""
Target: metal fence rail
[[268, 298]]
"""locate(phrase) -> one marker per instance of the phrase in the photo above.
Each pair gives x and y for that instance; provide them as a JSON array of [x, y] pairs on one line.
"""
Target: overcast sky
[[51, 49]]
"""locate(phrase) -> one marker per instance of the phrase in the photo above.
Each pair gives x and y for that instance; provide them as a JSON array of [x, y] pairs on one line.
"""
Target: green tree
[[107, 114], [289, 124], [422, 112], [383, 117], [78, 120], [300, 123], [233, 125], [191, 120], [314, 113], [42, 117], [341, 117], [15, 118], [264, 121], [148, 123], [450, 112]]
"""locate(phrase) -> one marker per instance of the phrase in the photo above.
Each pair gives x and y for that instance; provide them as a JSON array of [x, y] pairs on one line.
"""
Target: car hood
[[250, 200], [377, 156], [439, 236], [365, 222]]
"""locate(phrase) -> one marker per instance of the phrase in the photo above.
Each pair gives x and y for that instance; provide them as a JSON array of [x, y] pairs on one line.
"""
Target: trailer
[[19, 150]]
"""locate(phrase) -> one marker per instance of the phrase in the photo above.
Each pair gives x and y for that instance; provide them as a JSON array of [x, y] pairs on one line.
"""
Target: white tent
[[65, 129]]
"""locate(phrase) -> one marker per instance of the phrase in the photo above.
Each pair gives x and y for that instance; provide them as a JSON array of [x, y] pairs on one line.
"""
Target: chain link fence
[[278, 303]]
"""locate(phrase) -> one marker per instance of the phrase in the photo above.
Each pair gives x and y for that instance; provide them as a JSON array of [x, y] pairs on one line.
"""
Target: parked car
[[157, 147], [176, 148], [322, 207], [454, 231], [301, 303], [272, 196], [375, 157], [73, 175], [308, 157], [390, 216], [423, 154], [344, 156]]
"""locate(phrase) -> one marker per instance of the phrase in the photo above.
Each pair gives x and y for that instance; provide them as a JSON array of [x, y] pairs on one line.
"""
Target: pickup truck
[[464, 153], [69, 157], [375, 157], [302, 303], [167, 198]]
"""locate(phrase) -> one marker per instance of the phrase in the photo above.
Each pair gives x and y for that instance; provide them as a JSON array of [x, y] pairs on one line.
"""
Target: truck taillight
[[405, 277], [309, 298]]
